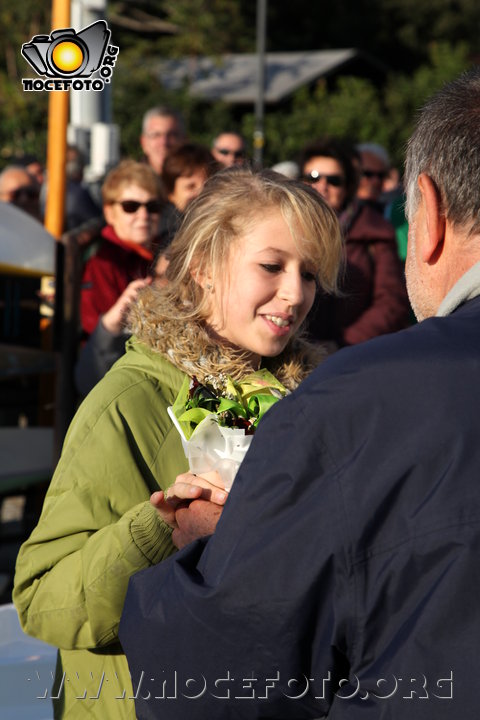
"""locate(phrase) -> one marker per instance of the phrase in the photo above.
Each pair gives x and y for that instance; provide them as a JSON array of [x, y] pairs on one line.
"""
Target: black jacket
[[345, 568]]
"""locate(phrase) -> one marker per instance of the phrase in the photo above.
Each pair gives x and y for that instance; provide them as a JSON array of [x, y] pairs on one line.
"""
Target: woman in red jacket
[[132, 201], [373, 298]]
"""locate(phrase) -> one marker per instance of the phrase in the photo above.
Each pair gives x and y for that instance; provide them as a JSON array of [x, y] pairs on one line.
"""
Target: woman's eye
[[271, 268], [309, 276]]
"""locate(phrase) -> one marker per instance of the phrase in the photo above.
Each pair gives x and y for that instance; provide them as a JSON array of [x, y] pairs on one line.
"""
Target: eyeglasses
[[315, 176], [380, 174], [131, 206], [237, 154]]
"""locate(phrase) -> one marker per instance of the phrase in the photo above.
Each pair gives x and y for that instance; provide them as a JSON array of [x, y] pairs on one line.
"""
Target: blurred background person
[[80, 205], [107, 342], [373, 298], [21, 189], [163, 130], [373, 170], [229, 149], [32, 165], [121, 263], [125, 250], [185, 170], [381, 186]]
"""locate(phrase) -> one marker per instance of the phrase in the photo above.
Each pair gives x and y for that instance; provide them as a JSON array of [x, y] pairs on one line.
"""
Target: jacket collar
[[166, 327], [108, 233]]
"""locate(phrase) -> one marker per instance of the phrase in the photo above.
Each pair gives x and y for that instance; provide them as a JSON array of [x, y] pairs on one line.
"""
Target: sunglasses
[[315, 176], [380, 174], [236, 153], [131, 206]]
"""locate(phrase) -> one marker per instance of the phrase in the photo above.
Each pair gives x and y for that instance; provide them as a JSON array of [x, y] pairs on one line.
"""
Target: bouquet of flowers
[[216, 420]]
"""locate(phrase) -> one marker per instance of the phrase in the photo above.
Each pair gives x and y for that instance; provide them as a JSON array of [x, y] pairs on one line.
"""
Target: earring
[[209, 287]]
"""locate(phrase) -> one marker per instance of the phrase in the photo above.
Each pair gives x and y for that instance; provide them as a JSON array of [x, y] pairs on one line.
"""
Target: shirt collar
[[464, 289]]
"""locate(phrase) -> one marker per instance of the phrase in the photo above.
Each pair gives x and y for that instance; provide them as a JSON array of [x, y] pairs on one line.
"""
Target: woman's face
[[138, 226], [187, 187], [268, 289], [326, 175]]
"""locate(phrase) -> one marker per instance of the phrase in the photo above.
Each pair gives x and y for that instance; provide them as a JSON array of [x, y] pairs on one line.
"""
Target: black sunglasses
[[236, 153], [131, 206], [315, 176], [380, 174]]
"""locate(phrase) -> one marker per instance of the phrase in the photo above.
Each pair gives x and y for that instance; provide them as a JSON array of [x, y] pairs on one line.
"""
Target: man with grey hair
[[162, 130], [343, 577]]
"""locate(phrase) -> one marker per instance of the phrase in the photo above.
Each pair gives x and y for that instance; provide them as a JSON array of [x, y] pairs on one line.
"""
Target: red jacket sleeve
[[100, 290]]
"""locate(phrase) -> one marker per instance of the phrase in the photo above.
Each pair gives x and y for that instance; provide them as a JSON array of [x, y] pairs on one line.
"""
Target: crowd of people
[[128, 243], [350, 533]]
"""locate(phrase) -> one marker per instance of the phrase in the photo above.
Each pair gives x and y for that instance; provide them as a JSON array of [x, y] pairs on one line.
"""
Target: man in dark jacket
[[343, 577]]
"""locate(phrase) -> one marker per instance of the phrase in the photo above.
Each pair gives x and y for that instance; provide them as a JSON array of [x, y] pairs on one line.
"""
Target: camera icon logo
[[68, 54]]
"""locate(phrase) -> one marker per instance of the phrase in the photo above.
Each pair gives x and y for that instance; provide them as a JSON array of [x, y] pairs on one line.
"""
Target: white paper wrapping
[[213, 447]]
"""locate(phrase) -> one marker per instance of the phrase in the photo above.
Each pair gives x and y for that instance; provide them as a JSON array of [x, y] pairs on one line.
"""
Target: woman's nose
[[291, 288]]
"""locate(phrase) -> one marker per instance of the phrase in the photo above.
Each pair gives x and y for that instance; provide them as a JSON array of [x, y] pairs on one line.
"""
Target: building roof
[[233, 78]]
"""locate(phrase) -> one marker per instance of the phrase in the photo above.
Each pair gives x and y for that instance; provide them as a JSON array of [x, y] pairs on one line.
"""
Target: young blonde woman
[[243, 274]]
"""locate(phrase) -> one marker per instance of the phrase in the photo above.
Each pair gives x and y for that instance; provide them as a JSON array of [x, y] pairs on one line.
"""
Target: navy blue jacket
[[344, 574]]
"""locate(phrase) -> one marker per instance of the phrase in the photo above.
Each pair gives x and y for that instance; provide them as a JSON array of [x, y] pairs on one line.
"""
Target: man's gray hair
[[446, 146], [163, 111]]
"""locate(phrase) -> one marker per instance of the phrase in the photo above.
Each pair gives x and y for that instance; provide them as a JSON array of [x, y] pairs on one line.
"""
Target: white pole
[[258, 136], [87, 108]]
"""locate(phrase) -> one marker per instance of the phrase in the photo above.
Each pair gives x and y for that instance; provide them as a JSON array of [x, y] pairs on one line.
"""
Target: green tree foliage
[[318, 113], [207, 27], [137, 87], [23, 127], [196, 27], [415, 24], [397, 31], [149, 30], [405, 94], [357, 110]]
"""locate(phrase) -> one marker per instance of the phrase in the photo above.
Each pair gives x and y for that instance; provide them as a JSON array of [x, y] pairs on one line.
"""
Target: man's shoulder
[[435, 344]]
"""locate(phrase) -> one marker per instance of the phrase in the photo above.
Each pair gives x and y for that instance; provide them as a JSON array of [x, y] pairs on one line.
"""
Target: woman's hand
[[114, 319], [187, 487]]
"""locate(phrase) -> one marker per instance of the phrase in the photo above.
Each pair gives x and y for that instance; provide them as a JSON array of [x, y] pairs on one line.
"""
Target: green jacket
[[97, 528]]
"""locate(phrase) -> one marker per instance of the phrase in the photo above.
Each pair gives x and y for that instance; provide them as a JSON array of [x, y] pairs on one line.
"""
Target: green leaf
[[231, 405], [190, 419], [178, 406], [259, 404]]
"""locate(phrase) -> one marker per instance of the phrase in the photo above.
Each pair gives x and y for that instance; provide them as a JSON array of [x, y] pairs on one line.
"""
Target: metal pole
[[57, 137], [58, 102], [258, 135]]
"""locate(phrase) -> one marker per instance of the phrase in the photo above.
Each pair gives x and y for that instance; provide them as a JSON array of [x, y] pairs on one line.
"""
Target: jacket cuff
[[151, 535]]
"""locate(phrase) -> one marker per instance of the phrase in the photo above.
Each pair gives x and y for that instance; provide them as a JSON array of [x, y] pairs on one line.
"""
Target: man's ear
[[431, 244]]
